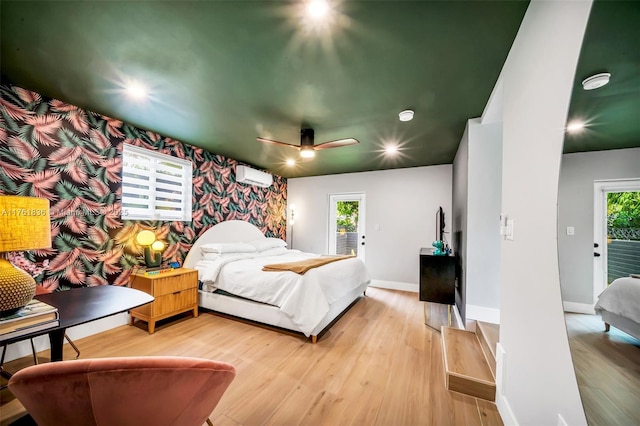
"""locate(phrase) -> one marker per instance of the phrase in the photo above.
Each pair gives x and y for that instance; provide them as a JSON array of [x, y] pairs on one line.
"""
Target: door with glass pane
[[347, 224], [616, 231]]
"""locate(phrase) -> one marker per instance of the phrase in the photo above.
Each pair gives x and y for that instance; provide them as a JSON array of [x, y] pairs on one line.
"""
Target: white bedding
[[306, 299], [622, 297]]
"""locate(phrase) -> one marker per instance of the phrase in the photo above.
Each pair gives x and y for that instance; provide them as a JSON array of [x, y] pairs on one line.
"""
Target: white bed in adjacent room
[[619, 305], [306, 303]]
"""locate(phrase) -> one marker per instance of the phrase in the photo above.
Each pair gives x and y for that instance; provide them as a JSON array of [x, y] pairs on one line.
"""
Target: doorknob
[[596, 254]]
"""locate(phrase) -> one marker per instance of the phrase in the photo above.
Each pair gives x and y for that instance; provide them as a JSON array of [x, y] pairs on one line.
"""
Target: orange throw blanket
[[303, 266]]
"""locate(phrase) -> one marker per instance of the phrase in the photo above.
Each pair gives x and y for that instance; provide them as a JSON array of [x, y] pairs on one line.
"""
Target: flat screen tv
[[440, 224]]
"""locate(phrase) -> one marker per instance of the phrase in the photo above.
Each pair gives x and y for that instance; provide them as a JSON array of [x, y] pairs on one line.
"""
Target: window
[[155, 186]]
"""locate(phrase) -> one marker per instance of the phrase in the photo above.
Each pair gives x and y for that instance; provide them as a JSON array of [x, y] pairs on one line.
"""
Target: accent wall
[[72, 157]]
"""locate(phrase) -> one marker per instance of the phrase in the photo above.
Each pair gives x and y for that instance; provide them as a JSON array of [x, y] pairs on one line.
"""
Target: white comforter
[[306, 299], [622, 297]]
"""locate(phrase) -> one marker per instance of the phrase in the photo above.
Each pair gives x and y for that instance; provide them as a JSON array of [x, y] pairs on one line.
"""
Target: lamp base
[[17, 288], [152, 259]]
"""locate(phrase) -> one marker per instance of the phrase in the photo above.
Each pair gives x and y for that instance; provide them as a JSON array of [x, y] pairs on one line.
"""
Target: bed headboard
[[231, 231]]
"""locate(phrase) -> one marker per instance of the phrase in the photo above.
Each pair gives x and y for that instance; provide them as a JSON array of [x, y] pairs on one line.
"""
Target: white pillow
[[267, 243], [227, 248], [210, 256]]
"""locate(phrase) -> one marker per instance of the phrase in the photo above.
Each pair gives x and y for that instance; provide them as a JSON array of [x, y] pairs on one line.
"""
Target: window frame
[[158, 177]]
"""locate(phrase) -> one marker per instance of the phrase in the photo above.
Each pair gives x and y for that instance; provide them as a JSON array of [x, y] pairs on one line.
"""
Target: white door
[[347, 224], [601, 240]]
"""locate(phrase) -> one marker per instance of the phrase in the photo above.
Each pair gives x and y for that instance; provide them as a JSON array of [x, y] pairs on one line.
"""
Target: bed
[[619, 305], [307, 304]]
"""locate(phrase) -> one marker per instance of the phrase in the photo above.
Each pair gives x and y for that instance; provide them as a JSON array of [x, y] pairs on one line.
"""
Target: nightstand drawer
[[173, 302], [172, 284]]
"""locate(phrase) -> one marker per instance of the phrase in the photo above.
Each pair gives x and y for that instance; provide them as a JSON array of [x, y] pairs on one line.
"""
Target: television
[[440, 224]]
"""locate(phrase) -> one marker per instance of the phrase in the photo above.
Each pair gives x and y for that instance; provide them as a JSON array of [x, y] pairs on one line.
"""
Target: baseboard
[[508, 418], [41, 343], [484, 314], [395, 285], [502, 403], [579, 308]]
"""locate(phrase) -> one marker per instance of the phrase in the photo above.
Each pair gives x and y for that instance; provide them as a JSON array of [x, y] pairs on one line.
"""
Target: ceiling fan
[[307, 148]]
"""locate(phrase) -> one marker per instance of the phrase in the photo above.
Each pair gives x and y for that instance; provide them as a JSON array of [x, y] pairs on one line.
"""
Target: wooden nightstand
[[174, 292]]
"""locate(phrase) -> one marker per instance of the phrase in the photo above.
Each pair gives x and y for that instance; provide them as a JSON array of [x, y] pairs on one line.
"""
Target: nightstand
[[174, 292]]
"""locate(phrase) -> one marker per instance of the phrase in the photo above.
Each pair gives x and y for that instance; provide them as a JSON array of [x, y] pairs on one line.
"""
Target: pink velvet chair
[[123, 391]]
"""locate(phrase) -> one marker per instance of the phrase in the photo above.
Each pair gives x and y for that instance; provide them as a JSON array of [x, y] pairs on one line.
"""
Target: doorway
[[347, 224], [616, 231]]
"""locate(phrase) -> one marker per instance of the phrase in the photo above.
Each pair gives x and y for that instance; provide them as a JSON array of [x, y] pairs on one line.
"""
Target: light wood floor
[[607, 368], [378, 365]]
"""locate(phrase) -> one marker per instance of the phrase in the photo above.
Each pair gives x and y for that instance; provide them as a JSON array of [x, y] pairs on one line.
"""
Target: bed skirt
[[271, 315]]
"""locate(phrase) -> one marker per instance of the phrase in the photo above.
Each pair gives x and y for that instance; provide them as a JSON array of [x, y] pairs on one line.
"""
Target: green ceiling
[[612, 112], [222, 73]]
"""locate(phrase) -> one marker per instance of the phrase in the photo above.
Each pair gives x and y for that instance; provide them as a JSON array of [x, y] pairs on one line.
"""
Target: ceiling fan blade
[[277, 143], [337, 143]]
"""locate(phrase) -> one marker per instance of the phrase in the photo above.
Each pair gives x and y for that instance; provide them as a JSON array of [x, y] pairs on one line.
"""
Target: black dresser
[[437, 278]]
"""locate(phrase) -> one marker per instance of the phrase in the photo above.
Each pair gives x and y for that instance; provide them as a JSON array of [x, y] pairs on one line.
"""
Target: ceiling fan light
[[406, 115], [307, 153], [596, 81]]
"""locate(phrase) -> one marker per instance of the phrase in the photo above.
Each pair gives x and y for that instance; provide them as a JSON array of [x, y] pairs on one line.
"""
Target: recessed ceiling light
[[406, 115], [317, 8], [391, 149], [307, 153], [136, 90], [575, 126], [291, 162], [596, 81]]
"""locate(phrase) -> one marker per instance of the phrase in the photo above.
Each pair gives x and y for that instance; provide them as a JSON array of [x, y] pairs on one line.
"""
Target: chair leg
[[4, 373], [73, 345], [33, 352], [209, 422]]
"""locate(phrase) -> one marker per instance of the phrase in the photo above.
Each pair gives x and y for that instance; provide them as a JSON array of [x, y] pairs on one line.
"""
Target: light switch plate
[[571, 230], [508, 232]]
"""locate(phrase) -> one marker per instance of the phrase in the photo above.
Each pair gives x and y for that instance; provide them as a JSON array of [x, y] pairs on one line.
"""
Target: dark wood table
[[83, 305]]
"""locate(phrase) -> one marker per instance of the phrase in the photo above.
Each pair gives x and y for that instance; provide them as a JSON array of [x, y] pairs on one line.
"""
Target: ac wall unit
[[249, 176]]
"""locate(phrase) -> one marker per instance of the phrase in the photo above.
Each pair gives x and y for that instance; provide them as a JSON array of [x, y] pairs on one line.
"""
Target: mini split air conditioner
[[249, 176]]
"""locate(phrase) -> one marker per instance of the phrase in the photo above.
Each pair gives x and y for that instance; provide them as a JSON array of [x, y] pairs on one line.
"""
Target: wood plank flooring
[[607, 367], [378, 365]]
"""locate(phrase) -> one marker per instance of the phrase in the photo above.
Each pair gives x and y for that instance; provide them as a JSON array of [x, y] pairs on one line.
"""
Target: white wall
[[483, 205], [400, 203], [536, 381], [575, 208], [460, 215]]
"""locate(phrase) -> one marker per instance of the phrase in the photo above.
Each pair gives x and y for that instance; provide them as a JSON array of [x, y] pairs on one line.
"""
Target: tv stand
[[437, 279]]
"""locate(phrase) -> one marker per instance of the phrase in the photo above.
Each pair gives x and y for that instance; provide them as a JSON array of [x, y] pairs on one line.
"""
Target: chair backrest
[[123, 391]]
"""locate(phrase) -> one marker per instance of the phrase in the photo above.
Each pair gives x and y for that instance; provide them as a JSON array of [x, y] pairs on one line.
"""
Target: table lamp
[[24, 225], [152, 248]]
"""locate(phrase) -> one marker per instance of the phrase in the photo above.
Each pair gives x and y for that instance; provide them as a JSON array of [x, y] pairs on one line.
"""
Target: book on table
[[34, 313], [40, 326]]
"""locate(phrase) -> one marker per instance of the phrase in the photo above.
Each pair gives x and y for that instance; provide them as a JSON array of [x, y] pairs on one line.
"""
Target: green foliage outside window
[[347, 216], [623, 215]]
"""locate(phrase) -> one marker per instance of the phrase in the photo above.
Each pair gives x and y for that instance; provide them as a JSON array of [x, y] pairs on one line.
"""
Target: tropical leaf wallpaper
[[72, 157]]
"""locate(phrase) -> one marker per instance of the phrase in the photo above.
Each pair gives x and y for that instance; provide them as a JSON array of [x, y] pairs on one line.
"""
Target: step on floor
[[465, 365]]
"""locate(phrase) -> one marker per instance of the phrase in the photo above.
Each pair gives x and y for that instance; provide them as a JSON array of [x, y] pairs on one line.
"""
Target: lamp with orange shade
[[24, 225]]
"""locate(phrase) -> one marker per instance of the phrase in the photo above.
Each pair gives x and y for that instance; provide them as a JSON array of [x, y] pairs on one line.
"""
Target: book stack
[[35, 316], [154, 271]]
